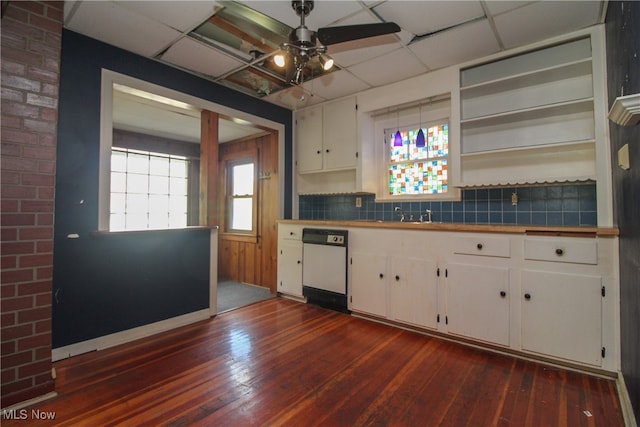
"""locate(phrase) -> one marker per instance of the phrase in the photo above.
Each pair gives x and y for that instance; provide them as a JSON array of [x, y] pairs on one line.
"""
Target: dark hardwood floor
[[279, 362]]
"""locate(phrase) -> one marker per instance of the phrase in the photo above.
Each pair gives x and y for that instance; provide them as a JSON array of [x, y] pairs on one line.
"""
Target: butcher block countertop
[[475, 228]]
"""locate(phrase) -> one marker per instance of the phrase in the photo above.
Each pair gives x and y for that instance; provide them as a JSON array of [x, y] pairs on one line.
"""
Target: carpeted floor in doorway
[[234, 294]]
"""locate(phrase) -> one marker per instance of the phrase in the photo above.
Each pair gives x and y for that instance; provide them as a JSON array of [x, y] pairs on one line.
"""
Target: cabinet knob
[[397, 277], [299, 262], [503, 294], [291, 233], [327, 150], [318, 152], [559, 252], [381, 275], [479, 246], [527, 296]]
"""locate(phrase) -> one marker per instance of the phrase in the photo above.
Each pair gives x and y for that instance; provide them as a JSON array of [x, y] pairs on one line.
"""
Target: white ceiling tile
[[394, 66], [334, 85], [294, 98], [323, 14], [453, 47], [545, 19], [180, 15], [496, 7], [278, 10], [357, 51], [425, 17], [69, 8], [118, 26], [193, 55]]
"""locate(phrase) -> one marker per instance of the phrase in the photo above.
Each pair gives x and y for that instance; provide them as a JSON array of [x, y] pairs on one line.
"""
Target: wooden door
[[250, 257]]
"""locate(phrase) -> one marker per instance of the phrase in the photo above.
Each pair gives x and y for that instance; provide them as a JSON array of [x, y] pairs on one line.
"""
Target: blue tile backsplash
[[561, 205]]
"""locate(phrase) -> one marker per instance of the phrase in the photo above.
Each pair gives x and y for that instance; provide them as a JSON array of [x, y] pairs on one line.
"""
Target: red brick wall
[[31, 41]]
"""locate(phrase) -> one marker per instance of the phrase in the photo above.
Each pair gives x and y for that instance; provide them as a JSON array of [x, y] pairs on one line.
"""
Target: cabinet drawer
[[289, 232], [483, 246], [570, 250]]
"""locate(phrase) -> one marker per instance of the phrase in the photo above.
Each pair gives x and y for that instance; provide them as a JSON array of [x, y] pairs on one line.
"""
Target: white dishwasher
[[324, 268]]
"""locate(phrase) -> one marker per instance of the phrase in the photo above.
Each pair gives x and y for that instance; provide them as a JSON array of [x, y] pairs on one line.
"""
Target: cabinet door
[[413, 292], [368, 287], [478, 302], [290, 267], [309, 150], [562, 315], [339, 134]]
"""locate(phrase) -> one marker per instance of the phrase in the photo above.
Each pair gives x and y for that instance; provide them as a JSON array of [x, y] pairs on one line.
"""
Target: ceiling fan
[[303, 42]]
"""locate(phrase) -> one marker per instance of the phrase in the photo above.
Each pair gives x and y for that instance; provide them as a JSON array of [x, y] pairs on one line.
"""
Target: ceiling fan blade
[[333, 35]]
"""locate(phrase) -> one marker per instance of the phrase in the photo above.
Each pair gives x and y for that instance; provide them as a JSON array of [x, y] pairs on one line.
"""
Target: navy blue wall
[[108, 283], [623, 72]]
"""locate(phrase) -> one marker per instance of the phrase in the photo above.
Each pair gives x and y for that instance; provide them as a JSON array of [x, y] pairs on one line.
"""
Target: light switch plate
[[623, 157]]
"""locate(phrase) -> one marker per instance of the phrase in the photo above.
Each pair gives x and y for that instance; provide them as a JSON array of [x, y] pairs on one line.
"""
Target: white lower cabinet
[[368, 287], [413, 292], [547, 296], [562, 315], [478, 302], [290, 259], [290, 268]]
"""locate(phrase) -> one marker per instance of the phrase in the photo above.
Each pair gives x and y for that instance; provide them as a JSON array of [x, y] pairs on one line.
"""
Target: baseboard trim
[[129, 335], [26, 403], [625, 402]]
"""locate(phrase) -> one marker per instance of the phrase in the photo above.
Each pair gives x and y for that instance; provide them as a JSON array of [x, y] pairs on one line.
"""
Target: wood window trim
[[226, 161]]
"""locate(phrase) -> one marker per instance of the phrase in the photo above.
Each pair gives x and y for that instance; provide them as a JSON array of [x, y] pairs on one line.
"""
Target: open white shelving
[[529, 118]]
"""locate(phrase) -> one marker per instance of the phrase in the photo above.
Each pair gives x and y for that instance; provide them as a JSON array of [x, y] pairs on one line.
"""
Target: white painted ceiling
[[435, 34]]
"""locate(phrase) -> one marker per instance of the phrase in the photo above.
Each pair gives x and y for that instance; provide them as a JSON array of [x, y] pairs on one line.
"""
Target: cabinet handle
[[479, 246], [527, 296], [381, 275], [559, 252], [397, 277], [503, 294]]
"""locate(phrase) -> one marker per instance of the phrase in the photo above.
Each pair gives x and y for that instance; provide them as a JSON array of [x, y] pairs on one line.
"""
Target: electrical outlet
[[358, 202]]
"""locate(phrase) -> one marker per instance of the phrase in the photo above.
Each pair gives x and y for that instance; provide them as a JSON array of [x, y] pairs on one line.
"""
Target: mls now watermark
[[24, 414]]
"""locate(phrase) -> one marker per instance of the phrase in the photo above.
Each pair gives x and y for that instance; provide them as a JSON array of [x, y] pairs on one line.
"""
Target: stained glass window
[[419, 170]]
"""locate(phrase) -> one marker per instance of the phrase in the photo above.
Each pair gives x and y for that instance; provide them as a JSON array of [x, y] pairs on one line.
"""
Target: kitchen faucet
[[428, 212], [402, 214]]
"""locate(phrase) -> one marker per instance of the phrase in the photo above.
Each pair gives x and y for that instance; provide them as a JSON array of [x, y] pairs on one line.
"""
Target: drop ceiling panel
[[542, 20], [391, 67], [180, 15], [119, 26], [194, 55], [323, 13], [356, 51], [460, 33], [336, 84], [294, 98], [452, 46], [499, 6], [425, 17]]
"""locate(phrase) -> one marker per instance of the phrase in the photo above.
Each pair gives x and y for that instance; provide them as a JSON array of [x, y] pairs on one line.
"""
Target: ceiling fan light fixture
[[279, 60], [326, 61]]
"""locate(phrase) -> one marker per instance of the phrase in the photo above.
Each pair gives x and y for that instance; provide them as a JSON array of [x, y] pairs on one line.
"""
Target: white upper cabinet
[[309, 139], [327, 137]]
